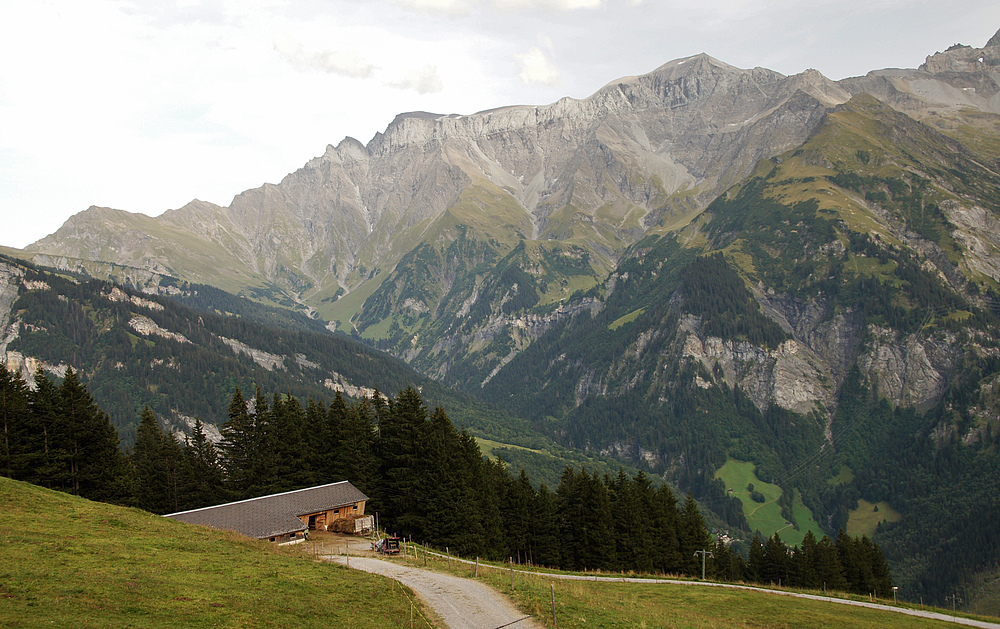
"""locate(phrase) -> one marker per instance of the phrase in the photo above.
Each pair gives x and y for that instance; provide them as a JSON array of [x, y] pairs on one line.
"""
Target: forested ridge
[[426, 478]]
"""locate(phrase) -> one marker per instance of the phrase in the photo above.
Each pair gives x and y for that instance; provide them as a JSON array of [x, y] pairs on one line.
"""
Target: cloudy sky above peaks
[[145, 105]]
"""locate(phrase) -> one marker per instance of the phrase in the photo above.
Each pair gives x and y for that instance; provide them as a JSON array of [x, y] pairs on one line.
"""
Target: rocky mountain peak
[[965, 59], [994, 41]]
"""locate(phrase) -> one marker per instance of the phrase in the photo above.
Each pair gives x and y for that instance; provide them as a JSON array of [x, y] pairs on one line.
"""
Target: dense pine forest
[[426, 478]]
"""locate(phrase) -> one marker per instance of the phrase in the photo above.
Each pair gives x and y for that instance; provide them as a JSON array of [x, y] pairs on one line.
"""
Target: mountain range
[[695, 269]]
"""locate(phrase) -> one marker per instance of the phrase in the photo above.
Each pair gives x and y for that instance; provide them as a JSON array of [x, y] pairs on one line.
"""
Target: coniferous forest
[[425, 478]]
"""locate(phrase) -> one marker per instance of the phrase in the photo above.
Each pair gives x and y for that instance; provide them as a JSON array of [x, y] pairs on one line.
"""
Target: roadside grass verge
[[70, 562], [609, 604]]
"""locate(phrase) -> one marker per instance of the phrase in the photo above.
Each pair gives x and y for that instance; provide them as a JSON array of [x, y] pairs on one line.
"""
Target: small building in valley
[[283, 517]]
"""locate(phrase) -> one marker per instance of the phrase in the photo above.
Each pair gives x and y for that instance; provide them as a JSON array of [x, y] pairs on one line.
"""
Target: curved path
[[829, 599], [461, 603]]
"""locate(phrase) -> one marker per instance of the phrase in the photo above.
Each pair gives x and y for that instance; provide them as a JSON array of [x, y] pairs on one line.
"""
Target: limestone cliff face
[[618, 159]]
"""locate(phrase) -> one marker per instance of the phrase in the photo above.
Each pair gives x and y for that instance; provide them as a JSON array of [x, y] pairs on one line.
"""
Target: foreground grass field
[[582, 604], [69, 562]]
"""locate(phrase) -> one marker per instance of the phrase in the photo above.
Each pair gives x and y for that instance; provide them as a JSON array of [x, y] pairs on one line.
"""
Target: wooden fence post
[[552, 588]]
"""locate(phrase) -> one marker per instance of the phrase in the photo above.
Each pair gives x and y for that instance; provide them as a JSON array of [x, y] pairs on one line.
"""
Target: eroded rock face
[[978, 231], [793, 376], [909, 370], [805, 373]]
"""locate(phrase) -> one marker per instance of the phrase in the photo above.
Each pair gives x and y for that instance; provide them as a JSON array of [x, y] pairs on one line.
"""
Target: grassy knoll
[[866, 518], [609, 605], [766, 516], [69, 562]]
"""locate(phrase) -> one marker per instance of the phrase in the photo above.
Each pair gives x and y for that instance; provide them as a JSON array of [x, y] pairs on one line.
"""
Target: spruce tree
[[401, 446], [155, 466], [238, 447], [204, 480], [14, 423], [355, 450], [97, 467], [546, 544], [774, 570], [692, 537]]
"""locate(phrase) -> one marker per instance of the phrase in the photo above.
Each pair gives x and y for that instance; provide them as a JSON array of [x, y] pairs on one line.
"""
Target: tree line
[[427, 479]]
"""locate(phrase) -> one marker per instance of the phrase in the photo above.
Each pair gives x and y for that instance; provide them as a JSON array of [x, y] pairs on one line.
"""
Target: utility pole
[[954, 601], [703, 553]]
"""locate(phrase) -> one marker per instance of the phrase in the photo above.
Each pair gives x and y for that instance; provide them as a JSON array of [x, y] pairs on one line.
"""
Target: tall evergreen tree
[[238, 447], [774, 570], [692, 536], [546, 541], [204, 486], [14, 424], [158, 461], [401, 446], [355, 447], [97, 468]]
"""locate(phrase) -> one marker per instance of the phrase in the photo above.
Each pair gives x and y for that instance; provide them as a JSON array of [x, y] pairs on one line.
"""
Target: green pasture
[[766, 516], [70, 562]]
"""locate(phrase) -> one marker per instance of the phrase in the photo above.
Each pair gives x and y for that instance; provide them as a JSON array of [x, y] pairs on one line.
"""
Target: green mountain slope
[[829, 311], [185, 360]]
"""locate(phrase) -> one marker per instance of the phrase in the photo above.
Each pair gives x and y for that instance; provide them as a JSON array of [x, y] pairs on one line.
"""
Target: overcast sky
[[145, 105]]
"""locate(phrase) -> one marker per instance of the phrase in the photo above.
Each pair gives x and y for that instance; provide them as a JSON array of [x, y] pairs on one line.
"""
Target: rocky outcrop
[[264, 359], [910, 370], [147, 327], [792, 376]]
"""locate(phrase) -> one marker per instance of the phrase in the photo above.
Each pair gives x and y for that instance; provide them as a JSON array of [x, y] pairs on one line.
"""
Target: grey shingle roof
[[274, 515]]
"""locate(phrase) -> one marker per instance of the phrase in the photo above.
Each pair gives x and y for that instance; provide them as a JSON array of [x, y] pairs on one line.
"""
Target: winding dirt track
[[461, 603], [468, 604]]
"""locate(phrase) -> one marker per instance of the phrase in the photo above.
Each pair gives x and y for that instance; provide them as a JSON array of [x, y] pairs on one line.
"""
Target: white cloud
[[446, 7], [347, 63], [535, 68], [464, 7], [546, 5], [423, 81]]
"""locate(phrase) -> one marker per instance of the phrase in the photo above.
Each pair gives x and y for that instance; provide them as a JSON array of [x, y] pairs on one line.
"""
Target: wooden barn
[[282, 517]]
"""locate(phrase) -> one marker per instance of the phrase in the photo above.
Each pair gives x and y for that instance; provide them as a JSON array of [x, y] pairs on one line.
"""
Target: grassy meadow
[[70, 562], [766, 516]]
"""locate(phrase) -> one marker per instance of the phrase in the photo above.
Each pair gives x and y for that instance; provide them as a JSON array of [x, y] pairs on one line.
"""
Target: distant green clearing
[[845, 475], [869, 267], [487, 446], [865, 519], [766, 516], [629, 318]]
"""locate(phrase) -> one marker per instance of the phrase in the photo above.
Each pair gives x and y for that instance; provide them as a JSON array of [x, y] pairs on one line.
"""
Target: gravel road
[[461, 603]]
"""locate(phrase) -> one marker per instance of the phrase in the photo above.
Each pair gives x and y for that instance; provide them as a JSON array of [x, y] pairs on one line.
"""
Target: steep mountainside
[[832, 319], [595, 173], [702, 270]]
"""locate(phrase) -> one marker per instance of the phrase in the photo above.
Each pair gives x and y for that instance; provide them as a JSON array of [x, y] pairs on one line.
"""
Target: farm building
[[285, 516]]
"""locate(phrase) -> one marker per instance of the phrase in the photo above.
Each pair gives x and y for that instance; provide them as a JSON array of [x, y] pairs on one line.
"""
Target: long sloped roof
[[274, 515]]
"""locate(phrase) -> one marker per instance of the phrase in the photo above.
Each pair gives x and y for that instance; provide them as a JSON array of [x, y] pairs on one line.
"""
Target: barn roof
[[274, 515]]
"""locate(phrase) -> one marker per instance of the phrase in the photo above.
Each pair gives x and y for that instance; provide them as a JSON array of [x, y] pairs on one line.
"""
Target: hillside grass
[[865, 519], [487, 447], [580, 604], [766, 516], [629, 318], [70, 562]]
